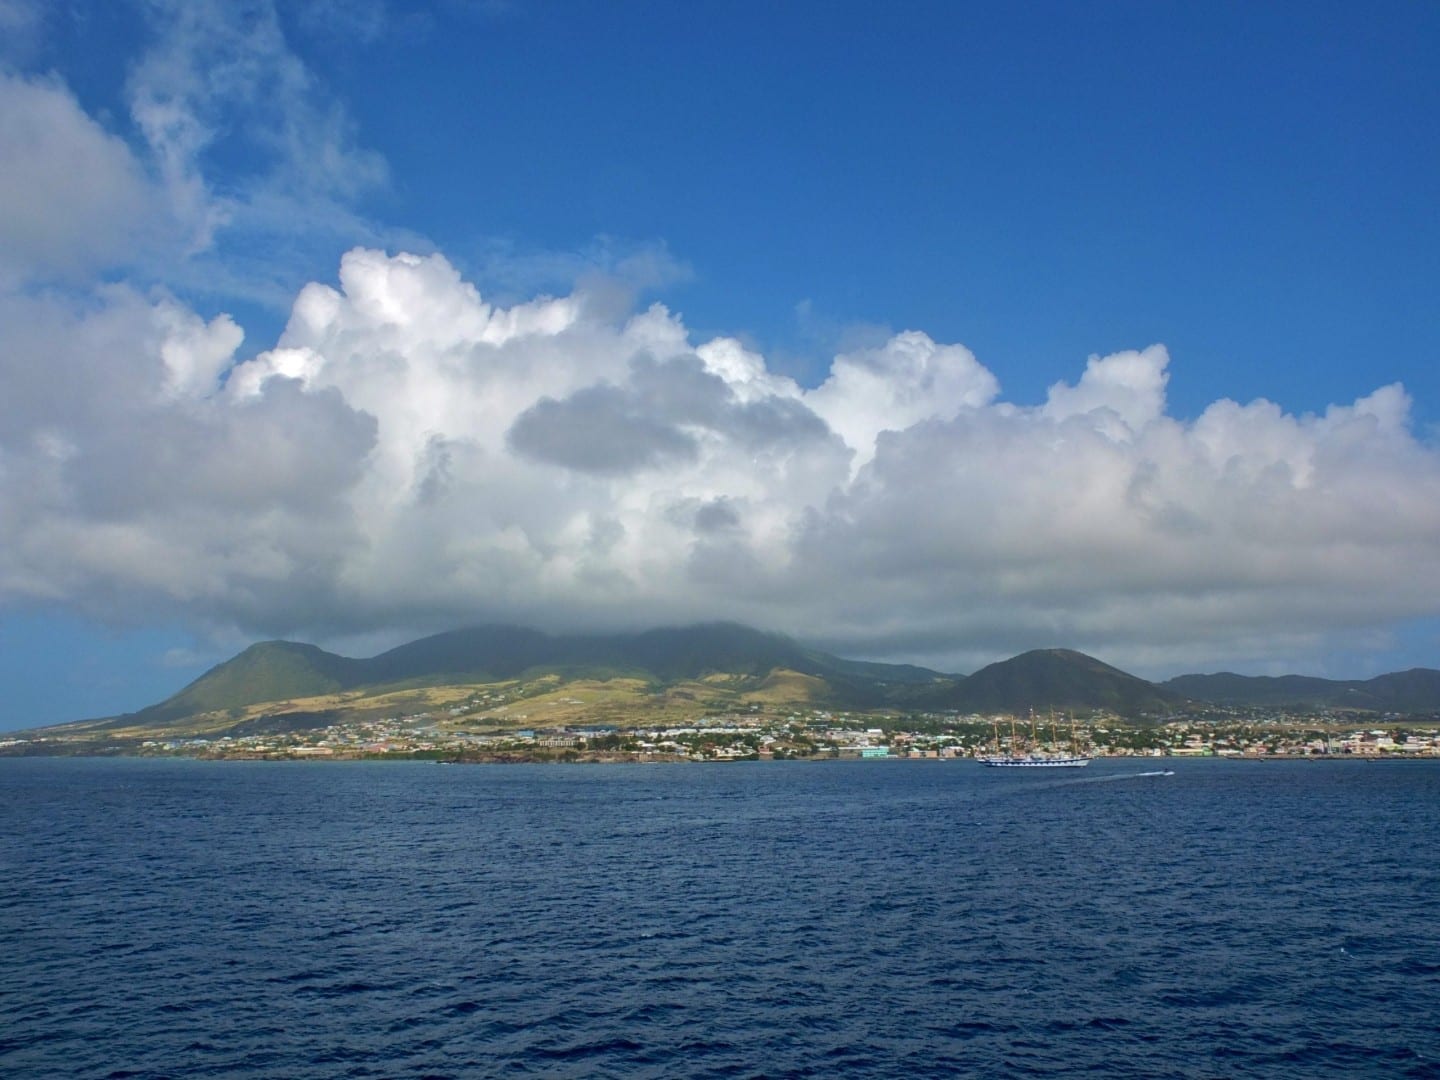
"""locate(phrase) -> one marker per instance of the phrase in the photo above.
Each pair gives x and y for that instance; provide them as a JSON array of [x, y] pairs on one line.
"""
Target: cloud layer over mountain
[[410, 455]]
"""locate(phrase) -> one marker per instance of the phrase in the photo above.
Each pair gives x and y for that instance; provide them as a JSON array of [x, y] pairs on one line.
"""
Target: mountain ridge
[[1411, 691], [311, 683]]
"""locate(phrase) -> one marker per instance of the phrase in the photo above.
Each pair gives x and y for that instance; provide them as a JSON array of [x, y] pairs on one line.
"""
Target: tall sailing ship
[[1028, 755]]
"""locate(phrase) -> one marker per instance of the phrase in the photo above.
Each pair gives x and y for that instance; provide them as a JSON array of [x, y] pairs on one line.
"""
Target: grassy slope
[[661, 677], [1061, 679]]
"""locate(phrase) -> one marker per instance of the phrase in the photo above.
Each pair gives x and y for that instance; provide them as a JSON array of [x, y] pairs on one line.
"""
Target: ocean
[[175, 918]]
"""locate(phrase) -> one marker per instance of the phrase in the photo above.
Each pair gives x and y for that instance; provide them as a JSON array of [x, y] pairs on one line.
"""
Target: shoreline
[[612, 758]]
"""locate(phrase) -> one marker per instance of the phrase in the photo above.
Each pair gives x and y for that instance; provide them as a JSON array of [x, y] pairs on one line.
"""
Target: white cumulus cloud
[[410, 455]]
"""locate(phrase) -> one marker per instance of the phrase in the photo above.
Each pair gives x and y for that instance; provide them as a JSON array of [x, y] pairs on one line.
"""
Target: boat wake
[[1125, 776], [1077, 781]]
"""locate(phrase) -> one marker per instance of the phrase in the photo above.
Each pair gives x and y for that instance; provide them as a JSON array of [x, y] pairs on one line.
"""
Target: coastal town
[[775, 735]]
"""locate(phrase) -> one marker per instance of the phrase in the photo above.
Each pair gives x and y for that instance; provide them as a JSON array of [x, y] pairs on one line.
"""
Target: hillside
[[288, 684], [267, 671], [500, 675], [1413, 691], [1057, 679]]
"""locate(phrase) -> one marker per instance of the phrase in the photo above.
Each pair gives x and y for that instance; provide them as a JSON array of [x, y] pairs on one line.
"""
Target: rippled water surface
[[180, 919]]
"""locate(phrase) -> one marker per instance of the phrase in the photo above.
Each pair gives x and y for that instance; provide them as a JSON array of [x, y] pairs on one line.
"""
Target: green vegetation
[[493, 681], [268, 671], [1413, 691]]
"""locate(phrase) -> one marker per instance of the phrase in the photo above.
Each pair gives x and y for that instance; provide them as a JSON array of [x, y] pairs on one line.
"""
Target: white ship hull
[[1038, 761]]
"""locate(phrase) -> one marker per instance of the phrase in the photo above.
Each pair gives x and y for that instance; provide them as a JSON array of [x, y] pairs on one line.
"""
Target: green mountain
[[266, 671], [667, 655], [1413, 691], [1057, 679], [284, 671], [715, 666]]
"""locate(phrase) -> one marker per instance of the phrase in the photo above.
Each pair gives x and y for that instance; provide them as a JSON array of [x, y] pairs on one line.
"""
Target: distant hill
[[279, 685], [1058, 679], [285, 671], [1044, 679], [1413, 691], [266, 671]]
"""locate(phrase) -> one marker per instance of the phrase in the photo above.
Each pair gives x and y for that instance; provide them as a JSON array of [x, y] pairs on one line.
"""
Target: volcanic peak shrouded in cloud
[[410, 455]]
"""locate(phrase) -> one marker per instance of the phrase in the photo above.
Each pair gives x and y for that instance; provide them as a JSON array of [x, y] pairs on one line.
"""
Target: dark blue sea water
[[896, 919]]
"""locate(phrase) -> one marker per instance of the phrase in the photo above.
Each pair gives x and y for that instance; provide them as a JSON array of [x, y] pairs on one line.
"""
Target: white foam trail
[[1124, 776]]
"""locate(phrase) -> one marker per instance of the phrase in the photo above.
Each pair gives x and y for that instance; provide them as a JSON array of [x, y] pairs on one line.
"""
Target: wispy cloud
[[219, 82], [22, 24]]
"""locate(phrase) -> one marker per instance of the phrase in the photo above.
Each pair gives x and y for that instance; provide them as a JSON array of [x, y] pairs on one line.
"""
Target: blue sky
[[965, 204]]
